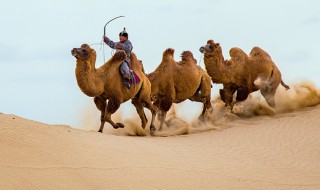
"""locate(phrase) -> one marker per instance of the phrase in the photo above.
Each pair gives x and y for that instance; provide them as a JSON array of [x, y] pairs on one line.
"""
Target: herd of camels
[[176, 81]]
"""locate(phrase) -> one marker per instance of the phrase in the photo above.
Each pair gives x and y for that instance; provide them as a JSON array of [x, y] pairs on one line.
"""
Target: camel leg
[[112, 106], [227, 94], [165, 103], [140, 112], [207, 107], [145, 102], [153, 110], [101, 105], [268, 94], [162, 117], [206, 104], [197, 98], [232, 105]]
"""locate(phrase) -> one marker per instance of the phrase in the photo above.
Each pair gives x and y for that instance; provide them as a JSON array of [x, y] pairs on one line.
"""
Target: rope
[[200, 59]]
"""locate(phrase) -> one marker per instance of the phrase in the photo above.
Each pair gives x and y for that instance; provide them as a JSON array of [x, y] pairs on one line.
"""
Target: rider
[[123, 44]]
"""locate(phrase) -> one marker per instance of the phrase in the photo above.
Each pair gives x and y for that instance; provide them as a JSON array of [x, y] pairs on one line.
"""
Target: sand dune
[[252, 149]]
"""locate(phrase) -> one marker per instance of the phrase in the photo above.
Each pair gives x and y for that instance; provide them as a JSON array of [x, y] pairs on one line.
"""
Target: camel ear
[[210, 41], [85, 46], [88, 48]]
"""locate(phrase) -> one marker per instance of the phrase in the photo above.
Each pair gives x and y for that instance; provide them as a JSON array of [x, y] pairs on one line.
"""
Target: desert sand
[[251, 149]]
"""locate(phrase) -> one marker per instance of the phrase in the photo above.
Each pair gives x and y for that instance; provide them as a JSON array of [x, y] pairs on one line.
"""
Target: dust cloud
[[301, 95]]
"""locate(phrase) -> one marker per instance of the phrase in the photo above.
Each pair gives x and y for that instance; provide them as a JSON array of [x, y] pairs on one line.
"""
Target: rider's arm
[[127, 46]]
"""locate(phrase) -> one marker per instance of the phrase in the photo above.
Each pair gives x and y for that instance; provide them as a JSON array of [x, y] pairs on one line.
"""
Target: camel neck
[[87, 79], [214, 64]]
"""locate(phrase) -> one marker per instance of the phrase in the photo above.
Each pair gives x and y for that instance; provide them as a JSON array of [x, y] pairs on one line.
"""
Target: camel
[[174, 82], [106, 86], [243, 73]]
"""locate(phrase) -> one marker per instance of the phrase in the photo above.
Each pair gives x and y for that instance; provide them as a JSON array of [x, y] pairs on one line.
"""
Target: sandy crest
[[280, 152]]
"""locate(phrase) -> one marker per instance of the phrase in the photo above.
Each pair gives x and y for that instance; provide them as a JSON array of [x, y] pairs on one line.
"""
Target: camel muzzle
[[201, 49], [74, 52]]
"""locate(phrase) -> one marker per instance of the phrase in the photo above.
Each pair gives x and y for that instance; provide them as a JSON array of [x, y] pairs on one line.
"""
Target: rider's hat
[[123, 33]]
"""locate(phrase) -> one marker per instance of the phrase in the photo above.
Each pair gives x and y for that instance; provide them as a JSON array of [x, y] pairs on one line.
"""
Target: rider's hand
[[118, 45]]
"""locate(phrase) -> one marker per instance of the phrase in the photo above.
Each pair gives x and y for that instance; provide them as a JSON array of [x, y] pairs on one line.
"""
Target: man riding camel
[[123, 44]]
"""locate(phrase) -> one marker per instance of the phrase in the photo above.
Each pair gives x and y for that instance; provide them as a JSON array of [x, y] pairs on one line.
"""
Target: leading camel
[[105, 85], [174, 82], [243, 73]]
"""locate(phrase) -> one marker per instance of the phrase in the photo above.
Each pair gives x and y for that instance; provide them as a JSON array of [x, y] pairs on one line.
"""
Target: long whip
[[104, 33]]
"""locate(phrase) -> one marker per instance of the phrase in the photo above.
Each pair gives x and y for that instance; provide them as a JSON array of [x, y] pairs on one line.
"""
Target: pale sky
[[37, 79]]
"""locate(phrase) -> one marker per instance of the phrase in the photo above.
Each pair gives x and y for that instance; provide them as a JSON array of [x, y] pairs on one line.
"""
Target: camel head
[[84, 53], [210, 47]]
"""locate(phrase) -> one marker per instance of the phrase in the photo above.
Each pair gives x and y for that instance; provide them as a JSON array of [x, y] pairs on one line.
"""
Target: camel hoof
[[202, 118], [100, 131], [152, 130], [210, 110], [118, 125]]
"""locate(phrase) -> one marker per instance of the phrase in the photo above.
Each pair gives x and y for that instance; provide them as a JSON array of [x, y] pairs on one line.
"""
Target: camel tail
[[168, 53], [284, 85]]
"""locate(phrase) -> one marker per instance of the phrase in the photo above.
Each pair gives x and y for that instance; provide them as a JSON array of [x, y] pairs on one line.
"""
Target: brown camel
[[174, 82], [106, 86], [242, 73]]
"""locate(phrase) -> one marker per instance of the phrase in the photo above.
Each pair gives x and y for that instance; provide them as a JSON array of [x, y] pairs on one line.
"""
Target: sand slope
[[263, 152], [258, 150]]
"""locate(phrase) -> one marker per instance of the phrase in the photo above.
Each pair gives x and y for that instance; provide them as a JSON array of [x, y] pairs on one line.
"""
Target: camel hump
[[168, 52], [120, 55], [133, 56], [238, 56], [187, 55], [258, 52]]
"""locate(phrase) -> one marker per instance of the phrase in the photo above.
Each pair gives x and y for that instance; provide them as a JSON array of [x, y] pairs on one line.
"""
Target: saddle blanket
[[134, 79]]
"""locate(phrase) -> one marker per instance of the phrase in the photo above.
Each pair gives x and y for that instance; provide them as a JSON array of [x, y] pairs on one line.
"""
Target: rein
[[200, 59]]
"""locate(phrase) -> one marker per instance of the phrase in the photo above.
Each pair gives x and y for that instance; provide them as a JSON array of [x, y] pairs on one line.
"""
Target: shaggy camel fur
[[242, 73], [174, 82], [106, 86]]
